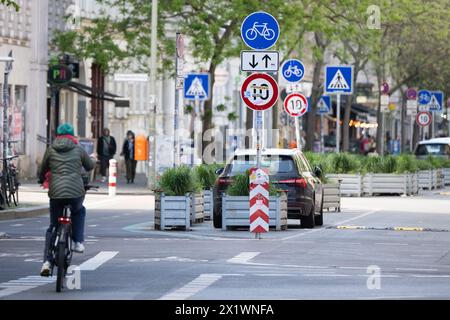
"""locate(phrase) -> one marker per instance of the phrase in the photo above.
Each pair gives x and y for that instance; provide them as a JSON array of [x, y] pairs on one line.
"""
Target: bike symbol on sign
[[261, 30], [293, 70]]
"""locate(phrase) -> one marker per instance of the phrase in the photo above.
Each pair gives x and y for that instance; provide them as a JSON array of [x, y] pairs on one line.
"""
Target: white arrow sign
[[264, 61]]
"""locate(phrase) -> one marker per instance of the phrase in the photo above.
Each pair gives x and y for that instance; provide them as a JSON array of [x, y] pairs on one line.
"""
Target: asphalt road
[[126, 259]]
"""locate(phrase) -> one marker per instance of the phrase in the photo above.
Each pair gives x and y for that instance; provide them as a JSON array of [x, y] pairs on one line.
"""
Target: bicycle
[[293, 70], [260, 29], [60, 248], [10, 182]]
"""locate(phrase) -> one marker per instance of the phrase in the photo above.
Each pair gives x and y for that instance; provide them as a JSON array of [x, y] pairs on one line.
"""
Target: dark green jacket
[[65, 159]]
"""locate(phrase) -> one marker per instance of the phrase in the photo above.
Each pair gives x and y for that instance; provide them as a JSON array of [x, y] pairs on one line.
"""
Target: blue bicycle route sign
[[260, 30], [293, 70], [424, 97]]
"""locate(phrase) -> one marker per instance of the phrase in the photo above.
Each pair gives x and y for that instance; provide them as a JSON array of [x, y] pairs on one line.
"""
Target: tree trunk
[[311, 115], [403, 130], [208, 107]]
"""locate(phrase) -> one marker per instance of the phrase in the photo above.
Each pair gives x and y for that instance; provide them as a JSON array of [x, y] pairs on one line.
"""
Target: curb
[[22, 213]]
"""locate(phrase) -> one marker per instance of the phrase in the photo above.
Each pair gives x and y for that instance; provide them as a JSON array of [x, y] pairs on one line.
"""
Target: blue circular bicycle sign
[[293, 70], [260, 30], [424, 97]]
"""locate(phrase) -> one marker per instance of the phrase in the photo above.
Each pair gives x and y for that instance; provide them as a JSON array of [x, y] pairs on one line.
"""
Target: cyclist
[[61, 168]]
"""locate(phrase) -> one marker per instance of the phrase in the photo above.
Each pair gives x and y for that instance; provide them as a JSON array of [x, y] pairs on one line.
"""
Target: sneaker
[[103, 179], [79, 247], [45, 270]]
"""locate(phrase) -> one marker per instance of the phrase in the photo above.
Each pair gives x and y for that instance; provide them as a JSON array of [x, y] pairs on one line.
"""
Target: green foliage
[[232, 116], [344, 163], [178, 181], [406, 163], [11, 3], [221, 107], [241, 186], [205, 175]]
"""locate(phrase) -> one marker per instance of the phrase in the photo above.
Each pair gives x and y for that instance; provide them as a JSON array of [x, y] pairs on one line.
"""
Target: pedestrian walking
[[128, 154], [106, 149]]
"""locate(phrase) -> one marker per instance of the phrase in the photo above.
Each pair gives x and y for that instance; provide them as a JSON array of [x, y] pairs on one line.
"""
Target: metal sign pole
[[412, 134], [259, 125], [382, 134], [322, 144], [297, 133], [338, 122], [433, 118]]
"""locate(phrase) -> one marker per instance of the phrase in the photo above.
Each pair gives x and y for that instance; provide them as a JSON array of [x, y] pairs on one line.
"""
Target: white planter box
[[413, 183], [172, 212], [425, 179], [197, 213], [332, 196], [236, 212], [386, 183], [351, 184], [208, 204], [446, 173]]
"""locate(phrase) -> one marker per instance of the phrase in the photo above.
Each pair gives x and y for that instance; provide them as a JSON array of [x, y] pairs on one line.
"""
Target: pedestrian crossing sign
[[338, 80], [196, 86], [437, 101]]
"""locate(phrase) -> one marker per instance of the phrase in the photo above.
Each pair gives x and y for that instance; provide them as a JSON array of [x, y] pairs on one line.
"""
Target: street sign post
[[293, 70], [259, 91], [435, 105], [260, 30], [323, 107], [296, 105], [338, 80], [259, 201], [259, 61], [197, 86]]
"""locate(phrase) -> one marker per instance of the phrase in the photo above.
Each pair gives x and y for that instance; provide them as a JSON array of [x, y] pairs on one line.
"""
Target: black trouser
[[104, 164], [131, 168]]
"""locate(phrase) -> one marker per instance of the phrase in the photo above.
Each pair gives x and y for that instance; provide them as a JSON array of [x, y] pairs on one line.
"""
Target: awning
[[86, 91]]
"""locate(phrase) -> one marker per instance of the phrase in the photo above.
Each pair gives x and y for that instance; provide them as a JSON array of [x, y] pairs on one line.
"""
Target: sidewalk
[[139, 187]]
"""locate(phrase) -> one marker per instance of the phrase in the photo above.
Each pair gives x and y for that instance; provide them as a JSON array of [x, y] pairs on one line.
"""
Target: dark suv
[[288, 170]]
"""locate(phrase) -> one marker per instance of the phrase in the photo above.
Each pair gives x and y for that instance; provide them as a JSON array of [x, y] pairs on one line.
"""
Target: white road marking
[[429, 276], [22, 284], [415, 269], [16, 225], [195, 286], [243, 257], [170, 259], [391, 244], [98, 260], [93, 225]]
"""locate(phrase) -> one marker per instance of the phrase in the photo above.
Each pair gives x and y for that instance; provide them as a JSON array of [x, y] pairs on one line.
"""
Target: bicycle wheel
[[15, 184], [269, 34], [12, 190], [61, 257], [251, 34], [4, 191]]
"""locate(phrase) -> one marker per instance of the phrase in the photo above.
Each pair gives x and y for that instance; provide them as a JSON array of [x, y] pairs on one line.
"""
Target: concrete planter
[[172, 212], [425, 179], [386, 183], [439, 178], [332, 196], [446, 173], [208, 203], [351, 184], [236, 211], [197, 213]]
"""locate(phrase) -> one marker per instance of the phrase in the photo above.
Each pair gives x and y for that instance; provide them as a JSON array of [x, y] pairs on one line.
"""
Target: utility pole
[[151, 182]]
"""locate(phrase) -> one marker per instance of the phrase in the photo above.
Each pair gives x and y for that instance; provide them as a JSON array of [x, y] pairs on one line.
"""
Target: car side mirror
[[219, 171], [317, 172]]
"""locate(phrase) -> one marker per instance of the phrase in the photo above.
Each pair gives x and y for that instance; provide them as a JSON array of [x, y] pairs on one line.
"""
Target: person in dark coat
[[61, 172], [128, 154], [106, 149]]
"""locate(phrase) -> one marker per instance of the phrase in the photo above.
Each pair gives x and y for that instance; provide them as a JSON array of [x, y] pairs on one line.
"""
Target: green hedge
[[341, 163], [178, 181]]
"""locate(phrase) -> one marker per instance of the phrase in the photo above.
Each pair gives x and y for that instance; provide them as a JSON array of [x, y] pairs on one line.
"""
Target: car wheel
[[318, 220], [308, 221], [217, 219]]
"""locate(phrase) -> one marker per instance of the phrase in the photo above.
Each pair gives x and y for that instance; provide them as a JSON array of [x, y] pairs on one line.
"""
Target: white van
[[437, 147]]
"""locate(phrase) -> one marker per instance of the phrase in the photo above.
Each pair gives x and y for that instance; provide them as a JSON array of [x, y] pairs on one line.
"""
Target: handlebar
[[9, 158]]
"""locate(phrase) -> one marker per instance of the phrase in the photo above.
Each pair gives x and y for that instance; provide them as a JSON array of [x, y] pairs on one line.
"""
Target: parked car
[[289, 170], [437, 147]]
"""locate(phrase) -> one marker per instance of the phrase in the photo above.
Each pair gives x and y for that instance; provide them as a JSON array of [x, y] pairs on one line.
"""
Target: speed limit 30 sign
[[423, 118], [259, 91], [296, 104]]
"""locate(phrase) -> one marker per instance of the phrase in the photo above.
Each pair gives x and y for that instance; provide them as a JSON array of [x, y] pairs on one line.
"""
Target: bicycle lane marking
[[30, 282]]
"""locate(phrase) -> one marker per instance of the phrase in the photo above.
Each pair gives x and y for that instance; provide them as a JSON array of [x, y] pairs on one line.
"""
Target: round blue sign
[[424, 97], [260, 30], [293, 70]]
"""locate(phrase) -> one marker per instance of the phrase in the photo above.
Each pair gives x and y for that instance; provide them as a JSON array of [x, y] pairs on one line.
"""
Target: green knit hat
[[65, 128]]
